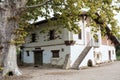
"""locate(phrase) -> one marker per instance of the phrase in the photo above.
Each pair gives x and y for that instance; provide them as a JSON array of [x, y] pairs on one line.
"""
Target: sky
[[118, 18]]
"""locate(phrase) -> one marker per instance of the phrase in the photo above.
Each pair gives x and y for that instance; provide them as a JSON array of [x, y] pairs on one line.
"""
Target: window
[[52, 34], [33, 39], [98, 56], [55, 53], [28, 54], [80, 35], [95, 37]]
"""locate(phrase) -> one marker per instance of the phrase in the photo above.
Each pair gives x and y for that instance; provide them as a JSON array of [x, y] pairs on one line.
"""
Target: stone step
[[81, 57]]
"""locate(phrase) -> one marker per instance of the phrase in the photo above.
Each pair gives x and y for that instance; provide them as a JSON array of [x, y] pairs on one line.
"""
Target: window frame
[[33, 37], [80, 34], [28, 53], [96, 38], [55, 53], [52, 34]]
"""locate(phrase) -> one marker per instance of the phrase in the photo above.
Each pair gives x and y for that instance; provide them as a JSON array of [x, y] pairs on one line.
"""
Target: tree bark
[[8, 23], [10, 63], [9, 15]]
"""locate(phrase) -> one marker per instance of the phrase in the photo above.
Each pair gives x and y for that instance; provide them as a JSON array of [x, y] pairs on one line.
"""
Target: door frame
[[38, 57]]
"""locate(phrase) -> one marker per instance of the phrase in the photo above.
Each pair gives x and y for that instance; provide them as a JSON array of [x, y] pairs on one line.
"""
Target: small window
[[98, 56], [95, 37], [28, 54], [33, 39], [80, 35], [55, 53], [52, 34]]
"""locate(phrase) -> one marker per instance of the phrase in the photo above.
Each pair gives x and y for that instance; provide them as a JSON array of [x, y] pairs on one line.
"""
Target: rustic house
[[57, 46]]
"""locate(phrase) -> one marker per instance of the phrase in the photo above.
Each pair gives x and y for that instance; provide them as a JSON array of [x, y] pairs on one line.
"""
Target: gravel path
[[109, 71]]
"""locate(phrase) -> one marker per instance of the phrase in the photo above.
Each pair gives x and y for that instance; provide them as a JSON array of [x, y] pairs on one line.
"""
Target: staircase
[[81, 57]]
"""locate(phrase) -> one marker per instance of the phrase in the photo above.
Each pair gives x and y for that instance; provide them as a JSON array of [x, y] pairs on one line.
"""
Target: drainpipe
[[83, 30]]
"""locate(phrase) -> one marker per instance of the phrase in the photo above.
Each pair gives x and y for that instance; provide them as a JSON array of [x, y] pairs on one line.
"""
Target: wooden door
[[38, 58]]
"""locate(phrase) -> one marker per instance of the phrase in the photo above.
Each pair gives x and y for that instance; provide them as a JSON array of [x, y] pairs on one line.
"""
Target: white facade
[[54, 51]]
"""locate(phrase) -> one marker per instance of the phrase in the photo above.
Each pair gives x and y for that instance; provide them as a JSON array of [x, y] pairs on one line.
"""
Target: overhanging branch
[[38, 5]]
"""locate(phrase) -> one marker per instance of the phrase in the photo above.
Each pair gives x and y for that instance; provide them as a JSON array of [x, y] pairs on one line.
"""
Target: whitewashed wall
[[43, 38], [105, 52], [55, 61], [47, 55], [89, 56], [58, 44], [75, 51], [28, 59]]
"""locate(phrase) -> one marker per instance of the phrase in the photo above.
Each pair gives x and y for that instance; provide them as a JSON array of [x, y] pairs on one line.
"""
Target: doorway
[[38, 58], [110, 55]]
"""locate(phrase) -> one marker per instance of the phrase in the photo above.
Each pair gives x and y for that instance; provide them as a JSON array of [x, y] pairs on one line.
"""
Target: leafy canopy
[[67, 12]]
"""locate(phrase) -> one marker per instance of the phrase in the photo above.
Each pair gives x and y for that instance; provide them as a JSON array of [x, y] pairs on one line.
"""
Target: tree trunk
[[8, 24], [10, 63]]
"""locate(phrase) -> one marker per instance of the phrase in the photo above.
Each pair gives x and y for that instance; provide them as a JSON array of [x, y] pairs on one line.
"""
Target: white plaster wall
[[103, 50], [47, 55], [75, 36], [43, 38], [75, 52], [105, 54], [58, 44], [89, 56], [55, 61], [28, 59]]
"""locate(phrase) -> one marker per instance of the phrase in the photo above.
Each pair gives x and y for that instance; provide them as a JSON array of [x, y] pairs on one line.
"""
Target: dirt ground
[[109, 71]]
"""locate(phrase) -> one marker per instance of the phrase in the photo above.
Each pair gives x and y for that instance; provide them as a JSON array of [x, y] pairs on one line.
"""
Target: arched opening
[[89, 63], [10, 73]]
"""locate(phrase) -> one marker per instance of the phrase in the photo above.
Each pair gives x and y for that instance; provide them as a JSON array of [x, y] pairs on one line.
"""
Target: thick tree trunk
[[10, 63], [8, 24]]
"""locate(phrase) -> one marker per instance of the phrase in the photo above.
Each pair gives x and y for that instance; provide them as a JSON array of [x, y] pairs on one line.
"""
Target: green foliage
[[67, 12], [118, 52], [1, 68]]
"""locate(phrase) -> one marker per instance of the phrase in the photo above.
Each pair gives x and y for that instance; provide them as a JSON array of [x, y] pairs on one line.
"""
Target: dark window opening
[[33, 37], [98, 56], [80, 35], [109, 55], [55, 53], [52, 34], [28, 54]]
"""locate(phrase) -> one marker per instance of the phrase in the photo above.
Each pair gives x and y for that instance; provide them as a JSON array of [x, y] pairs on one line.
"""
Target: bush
[[118, 54]]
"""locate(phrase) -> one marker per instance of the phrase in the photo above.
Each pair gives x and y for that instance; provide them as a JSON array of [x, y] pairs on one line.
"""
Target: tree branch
[[38, 5]]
